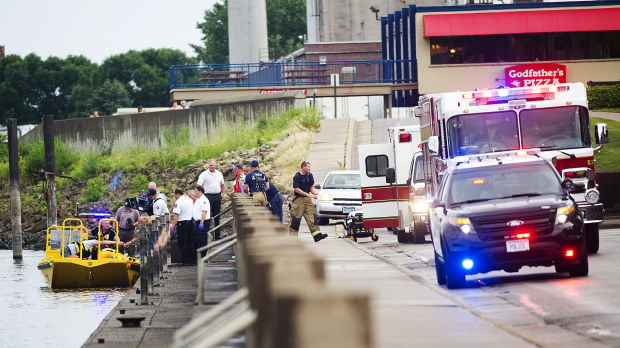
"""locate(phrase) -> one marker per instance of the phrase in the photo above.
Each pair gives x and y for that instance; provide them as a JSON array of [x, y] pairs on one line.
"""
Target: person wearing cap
[[127, 218], [302, 206], [213, 182], [152, 184], [158, 204], [183, 224], [257, 183]]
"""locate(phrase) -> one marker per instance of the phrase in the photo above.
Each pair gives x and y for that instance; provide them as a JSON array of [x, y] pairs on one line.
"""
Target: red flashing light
[[569, 252], [521, 152], [404, 137], [570, 175], [468, 95], [523, 235]]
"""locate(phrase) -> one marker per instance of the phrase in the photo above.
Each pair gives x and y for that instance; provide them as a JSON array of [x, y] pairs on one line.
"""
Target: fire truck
[[391, 196], [551, 118]]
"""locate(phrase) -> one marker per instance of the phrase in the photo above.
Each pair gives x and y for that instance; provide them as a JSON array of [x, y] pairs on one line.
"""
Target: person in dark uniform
[[107, 231], [275, 200], [303, 186], [183, 224], [257, 184]]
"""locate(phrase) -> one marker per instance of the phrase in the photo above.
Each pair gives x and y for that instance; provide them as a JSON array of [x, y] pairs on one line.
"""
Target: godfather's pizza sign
[[525, 75]]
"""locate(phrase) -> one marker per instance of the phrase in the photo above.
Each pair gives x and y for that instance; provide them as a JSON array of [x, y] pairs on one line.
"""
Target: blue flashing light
[[467, 264]]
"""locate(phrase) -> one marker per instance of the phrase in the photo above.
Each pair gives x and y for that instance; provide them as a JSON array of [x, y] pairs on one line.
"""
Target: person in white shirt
[[213, 182], [184, 226], [202, 218], [153, 185], [159, 204]]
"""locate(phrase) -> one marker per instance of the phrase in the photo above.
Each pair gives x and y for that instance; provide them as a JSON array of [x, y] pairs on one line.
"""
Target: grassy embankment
[[609, 156], [292, 130]]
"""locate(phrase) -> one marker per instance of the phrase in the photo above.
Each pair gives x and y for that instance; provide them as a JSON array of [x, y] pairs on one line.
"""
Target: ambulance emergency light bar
[[499, 95]]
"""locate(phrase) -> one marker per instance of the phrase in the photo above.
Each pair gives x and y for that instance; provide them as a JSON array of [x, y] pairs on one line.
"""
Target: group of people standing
[[193, 210], [192, 213], [257, 184]]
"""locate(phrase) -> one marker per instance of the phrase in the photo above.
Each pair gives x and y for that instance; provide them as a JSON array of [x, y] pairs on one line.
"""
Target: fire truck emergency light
[[404, 137]]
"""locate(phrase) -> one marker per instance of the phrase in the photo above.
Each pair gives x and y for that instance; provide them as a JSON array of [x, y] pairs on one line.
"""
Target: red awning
[[519, 22]]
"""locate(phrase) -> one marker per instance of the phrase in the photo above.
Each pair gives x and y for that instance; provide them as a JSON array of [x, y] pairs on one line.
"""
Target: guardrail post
[[144, 280], [151, 229], [168, 243], [155, 251]]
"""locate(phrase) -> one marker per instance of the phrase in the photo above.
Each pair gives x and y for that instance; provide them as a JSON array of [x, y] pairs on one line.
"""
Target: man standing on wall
[[303, 186], [213, 182]]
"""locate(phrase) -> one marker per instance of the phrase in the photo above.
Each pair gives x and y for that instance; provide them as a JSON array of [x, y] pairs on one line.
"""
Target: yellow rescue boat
[[70, 262]]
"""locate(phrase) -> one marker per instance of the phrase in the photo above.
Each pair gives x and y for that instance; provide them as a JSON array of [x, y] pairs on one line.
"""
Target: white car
[[339, 195]]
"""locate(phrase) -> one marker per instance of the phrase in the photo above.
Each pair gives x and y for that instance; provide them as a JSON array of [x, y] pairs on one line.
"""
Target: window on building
[[525, 47]]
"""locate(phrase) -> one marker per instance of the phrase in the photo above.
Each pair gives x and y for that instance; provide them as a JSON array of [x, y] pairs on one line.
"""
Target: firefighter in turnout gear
[[303, 185], [256, 183]]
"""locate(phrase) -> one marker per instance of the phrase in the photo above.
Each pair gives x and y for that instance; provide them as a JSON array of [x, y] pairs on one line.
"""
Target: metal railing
[[291, 73], [225, 243]]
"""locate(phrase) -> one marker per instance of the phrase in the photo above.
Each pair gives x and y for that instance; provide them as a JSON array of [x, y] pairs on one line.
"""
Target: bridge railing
[[280, 74]]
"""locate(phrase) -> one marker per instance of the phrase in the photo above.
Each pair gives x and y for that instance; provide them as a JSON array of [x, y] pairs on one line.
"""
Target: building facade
[[452, 48]]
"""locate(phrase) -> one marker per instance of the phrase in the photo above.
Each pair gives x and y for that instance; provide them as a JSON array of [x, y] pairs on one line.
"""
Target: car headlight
[[325, 197], [563, 213], [419, 206], [592, 196], [461, 222]]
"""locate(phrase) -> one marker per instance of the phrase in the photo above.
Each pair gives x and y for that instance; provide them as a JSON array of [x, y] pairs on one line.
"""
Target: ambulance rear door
[[379, 198]]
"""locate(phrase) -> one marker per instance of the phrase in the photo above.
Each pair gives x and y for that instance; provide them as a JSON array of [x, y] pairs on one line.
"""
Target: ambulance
[[392, 197]]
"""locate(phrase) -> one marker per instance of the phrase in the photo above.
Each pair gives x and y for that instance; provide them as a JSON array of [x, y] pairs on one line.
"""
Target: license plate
[[515, 246], [347, 210]]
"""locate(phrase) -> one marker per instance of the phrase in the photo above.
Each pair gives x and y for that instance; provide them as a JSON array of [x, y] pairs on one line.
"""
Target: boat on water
[[73, 260]]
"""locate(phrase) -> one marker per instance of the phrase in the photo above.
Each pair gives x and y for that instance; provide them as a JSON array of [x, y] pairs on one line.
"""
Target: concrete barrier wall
[[110, 133], [287, 290]]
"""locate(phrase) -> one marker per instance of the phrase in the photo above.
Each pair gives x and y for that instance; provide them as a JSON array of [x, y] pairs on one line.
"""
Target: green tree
[[144, 74], [215, 39], [110, 96], [286, 22]]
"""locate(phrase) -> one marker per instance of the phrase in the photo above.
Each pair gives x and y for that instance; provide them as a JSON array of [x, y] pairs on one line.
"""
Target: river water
[[33, 315]]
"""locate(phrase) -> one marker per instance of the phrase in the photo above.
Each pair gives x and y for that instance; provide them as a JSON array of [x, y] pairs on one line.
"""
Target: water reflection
[[34, 315]]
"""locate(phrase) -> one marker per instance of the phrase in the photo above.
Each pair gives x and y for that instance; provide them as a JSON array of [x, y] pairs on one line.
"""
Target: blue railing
[[290, 73]]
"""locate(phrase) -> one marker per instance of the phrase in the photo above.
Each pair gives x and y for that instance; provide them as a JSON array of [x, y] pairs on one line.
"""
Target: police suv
[[502, 212]]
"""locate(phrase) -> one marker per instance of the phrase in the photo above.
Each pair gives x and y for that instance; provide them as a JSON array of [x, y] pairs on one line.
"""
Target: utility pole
[[16, 205]]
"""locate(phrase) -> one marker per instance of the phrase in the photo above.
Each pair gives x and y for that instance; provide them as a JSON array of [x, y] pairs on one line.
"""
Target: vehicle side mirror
[[572, 187], [317, 186], [390, 175], [600, 133]]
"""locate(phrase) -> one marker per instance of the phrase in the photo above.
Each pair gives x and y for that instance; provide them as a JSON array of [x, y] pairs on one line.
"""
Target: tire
[[419, 233], [323, 221], [455, 278], [440, 270], [580, 269], [592, 239], [404, 237], [374, 237]]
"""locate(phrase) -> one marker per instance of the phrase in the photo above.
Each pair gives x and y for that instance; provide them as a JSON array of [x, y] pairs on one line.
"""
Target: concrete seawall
[[110, 133]]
